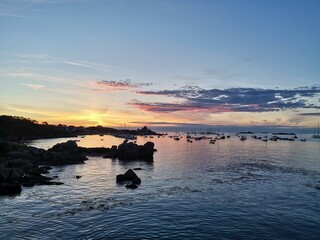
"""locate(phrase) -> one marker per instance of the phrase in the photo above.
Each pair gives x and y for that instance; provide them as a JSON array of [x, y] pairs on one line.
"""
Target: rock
[[37, 171], [148, 150], [77, 177], [31, 180], [36, 151], [94, 150], [128, 151], [18, 154], [136, 181], [10, 188], [15, 174], [131, 151], [63, 147], [131, 186], [4, 174], [130, 175], [138, 168], [120, 178], [62, 158], [23, 164]]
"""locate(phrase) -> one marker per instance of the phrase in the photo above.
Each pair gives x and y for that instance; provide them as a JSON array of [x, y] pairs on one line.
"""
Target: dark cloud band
[[233, 99]]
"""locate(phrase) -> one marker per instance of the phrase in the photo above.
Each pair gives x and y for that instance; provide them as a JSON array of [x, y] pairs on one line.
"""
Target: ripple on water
[[229, 190]]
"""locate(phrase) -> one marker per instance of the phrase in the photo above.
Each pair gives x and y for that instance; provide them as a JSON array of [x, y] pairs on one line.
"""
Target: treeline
[[18, 128]]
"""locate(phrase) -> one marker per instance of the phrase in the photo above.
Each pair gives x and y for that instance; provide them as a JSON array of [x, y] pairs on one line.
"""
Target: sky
[[168, 63]]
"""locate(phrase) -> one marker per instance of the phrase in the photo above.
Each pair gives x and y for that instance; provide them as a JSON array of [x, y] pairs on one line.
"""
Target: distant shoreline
[[13, 128]]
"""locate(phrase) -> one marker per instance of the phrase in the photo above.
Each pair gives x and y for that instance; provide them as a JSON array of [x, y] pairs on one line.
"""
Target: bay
[[228, 190]]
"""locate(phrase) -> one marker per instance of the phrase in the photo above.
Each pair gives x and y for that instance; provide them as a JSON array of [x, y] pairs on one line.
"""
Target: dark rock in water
[[131, 186], [32, 180], [136, 181], [19, 164], [77, 177], [148, 150], [23, 164], [125, 151], [130, 175], [10, 188], [120, 178], [66, 146], [131, 151], [62, 154], [93, 151], [138, 168], [37, 171], [15, 174]]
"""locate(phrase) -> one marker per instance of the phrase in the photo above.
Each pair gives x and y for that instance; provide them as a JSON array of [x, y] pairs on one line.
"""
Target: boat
[[316, 135]]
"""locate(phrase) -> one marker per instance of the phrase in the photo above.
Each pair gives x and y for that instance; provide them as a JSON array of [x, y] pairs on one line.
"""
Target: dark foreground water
[[229, 190]]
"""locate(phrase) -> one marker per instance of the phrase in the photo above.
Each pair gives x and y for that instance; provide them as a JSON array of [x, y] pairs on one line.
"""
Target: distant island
[[20, 128]]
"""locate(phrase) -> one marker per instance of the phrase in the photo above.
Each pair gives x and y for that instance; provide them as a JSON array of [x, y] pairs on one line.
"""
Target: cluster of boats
[[242, 137], [190, 138]]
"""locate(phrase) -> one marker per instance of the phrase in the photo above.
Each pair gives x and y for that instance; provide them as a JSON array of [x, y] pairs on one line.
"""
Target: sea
[[228, 190]]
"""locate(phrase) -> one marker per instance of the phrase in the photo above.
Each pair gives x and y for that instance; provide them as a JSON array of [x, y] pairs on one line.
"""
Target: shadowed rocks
[[131, 151], [24, 165], [129, 176], [125, 151]]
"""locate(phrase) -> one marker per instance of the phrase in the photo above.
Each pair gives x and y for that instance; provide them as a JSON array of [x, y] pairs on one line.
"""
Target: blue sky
[[110, 62]]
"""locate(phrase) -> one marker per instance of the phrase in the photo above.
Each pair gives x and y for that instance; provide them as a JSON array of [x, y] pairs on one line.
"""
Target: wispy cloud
[[33, 86], [90, 65], [122, 84], [232, 99]]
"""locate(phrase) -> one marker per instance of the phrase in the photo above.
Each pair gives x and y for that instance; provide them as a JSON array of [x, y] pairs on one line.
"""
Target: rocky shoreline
[[22, 165]]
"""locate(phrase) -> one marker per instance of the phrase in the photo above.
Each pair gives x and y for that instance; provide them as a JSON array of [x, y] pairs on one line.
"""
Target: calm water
[[229, 190]]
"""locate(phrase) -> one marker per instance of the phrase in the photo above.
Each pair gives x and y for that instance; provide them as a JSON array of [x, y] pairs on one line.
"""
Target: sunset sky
[[161, 63]]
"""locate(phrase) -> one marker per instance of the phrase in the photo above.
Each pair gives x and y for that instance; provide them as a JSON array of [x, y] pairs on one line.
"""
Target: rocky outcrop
[[63, 154], [24, 165], [131, 151], [129, 176]]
